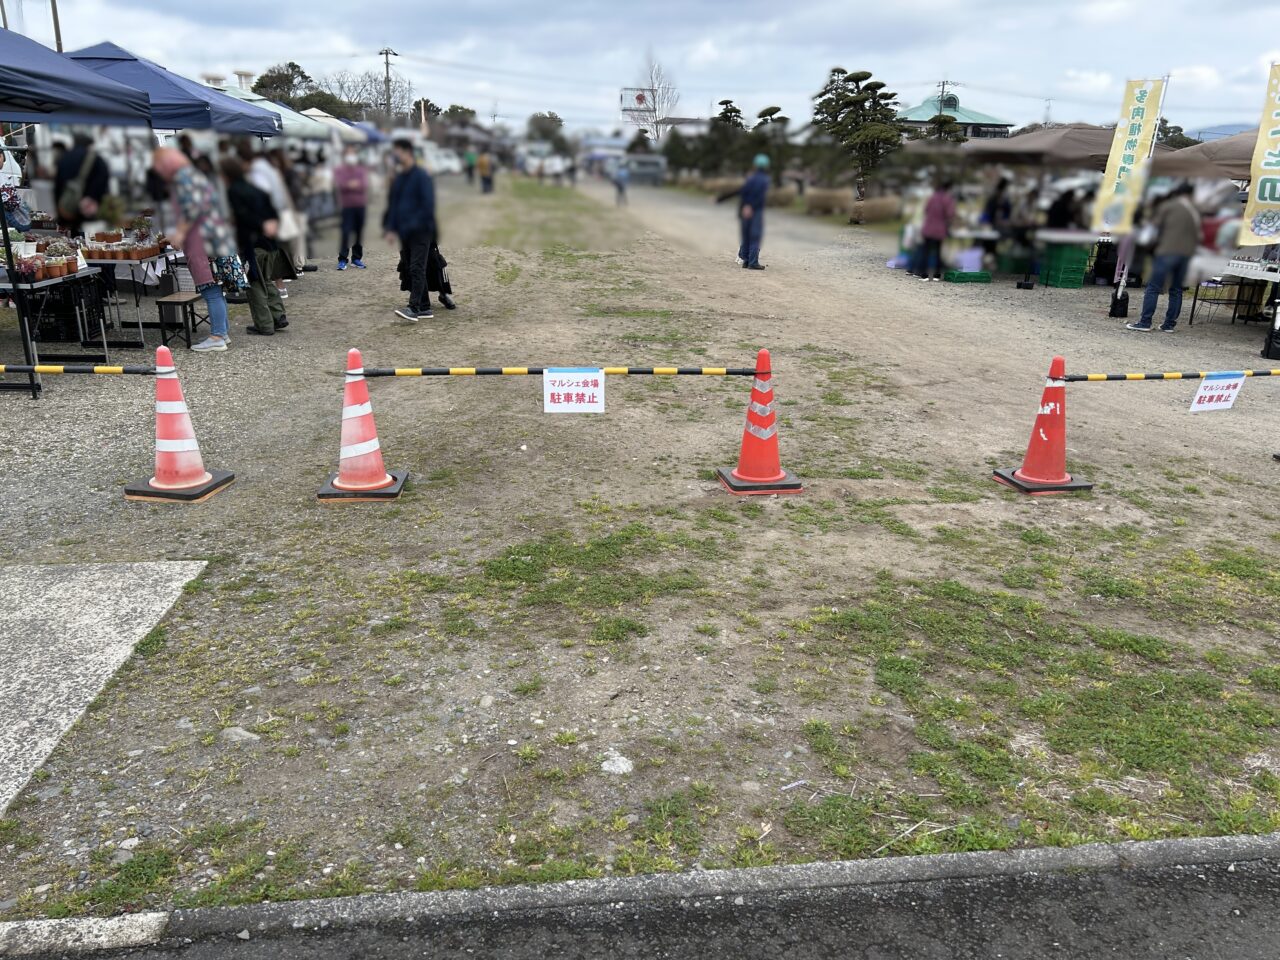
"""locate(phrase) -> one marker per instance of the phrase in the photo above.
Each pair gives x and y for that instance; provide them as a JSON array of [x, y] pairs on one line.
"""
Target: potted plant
[[26, 267]]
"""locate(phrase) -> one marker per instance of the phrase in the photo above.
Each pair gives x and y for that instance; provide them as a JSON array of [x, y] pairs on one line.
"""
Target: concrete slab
[[64, 630]]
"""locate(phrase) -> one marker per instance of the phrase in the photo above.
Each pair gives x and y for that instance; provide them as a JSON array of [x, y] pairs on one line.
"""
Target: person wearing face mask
[[351, 181]]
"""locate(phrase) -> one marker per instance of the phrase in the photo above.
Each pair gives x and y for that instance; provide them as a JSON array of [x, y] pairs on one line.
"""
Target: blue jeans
[[752, 234], [1173, 268], [932, 258], [216, 304]]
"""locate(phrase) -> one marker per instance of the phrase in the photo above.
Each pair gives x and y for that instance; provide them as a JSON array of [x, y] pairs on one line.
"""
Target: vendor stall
[[39, 85]]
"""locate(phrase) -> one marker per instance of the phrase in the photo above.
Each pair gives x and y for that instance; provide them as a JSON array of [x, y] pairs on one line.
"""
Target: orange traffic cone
[[361, 475], [180, 473], [1044, 468], [759, 469]]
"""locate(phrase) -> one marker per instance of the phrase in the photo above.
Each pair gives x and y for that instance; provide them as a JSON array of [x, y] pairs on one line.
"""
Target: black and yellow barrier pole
[[66, 368], [1186, 375], [538, 371]]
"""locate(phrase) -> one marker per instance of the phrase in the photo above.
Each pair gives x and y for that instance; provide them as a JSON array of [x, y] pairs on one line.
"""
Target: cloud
[[704, 54], [1200, 76], [1106, 11], [1089, 82]]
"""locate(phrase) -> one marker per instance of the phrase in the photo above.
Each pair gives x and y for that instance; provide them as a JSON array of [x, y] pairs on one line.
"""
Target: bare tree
[[662, 100], [366, 90]]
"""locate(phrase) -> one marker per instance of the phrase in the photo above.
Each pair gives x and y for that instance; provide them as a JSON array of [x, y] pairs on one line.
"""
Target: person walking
[[257, 223], [351, 180], [939, 212], [469, 164], [200, 230], [410, 221], [484, 167], [751, 203], [621, 177], [1177, 225]]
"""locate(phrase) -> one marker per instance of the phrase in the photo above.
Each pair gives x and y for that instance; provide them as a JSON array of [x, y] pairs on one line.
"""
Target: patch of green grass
[[529, 686], [615, 630], [11, 832], [153, 642], [149, 871]]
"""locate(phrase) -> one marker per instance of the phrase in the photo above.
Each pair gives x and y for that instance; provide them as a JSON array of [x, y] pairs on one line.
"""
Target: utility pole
[[387, 53], [1048, 110], [942, 96], [57, 27], [4, 16]]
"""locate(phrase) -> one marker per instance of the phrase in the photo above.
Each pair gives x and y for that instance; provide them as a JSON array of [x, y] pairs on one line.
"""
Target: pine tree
[[861, 119]]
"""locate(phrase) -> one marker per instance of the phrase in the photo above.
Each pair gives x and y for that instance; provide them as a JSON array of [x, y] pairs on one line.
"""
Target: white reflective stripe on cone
[[762, 433], [761, 408], [161, 371], [764, 386], [359, 449], [358, 372], [356, 410], [177, 446], [171, 406], [1055, 383]]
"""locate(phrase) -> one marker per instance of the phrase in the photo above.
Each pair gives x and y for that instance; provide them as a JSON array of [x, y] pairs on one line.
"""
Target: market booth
[[38, 85]]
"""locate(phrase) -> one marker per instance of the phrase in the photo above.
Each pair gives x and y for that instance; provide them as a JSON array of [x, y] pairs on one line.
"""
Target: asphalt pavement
[[1135, 901]]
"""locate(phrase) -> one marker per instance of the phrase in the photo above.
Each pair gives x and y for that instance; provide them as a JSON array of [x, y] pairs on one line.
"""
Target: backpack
[[73, 192]]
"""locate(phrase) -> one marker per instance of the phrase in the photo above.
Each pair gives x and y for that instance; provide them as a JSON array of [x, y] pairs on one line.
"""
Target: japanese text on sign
[[573, 390], [1121, 188], [1217, 393], [1262, 210]]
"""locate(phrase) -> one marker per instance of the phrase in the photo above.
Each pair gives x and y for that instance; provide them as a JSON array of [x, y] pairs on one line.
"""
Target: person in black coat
[[410, 221], [81, 164], [257, 221]]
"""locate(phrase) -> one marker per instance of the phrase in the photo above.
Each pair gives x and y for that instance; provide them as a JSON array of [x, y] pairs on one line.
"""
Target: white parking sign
[[1217, 392]]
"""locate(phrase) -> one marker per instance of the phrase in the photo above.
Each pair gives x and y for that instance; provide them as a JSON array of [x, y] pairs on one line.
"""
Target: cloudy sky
[[571, 56]]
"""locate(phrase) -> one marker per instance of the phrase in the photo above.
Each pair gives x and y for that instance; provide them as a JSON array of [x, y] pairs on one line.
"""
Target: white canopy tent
[[295, 124], [346, 132]]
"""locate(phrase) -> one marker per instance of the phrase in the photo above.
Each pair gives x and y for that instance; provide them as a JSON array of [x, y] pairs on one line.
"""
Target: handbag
[[290, 228]]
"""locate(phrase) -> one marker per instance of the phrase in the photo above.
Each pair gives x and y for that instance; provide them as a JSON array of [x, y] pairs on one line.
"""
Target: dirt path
[[566, 652]]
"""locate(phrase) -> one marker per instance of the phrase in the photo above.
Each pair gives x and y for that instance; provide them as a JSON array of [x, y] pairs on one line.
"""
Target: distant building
[[975, 125]]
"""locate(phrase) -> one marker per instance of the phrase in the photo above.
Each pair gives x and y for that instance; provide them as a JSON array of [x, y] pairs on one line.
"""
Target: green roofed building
[[974, 124]]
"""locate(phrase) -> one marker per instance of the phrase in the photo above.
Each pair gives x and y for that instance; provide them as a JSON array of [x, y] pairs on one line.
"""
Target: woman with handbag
[[264, 175], [201, 231]]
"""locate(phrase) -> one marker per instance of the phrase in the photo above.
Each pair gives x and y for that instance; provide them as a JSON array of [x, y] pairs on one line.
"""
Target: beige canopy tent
[[346, 132], [1230, 158], [1077, 145]]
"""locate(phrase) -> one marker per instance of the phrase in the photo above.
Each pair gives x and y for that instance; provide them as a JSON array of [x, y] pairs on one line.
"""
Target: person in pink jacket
[[351, 181], [939, 212]]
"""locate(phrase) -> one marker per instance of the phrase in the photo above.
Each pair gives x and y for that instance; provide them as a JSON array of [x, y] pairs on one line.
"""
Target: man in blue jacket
[[410, 220], [751, 212]]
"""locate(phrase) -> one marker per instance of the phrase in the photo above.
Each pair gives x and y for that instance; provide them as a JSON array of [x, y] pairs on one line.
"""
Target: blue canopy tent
[[176, 102], [375, 135], [37, 85]]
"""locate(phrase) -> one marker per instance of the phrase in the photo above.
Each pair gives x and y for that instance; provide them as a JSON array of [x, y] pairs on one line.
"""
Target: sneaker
[[937, 279], [284, 294], [255, 332], [448, 301], [406, 314], [925, 279], [342, 264], [281, 323], [210, 345], [1143, 327], [1167, 328], [739, 261], [755, 266], [359, 264], [425, 314]]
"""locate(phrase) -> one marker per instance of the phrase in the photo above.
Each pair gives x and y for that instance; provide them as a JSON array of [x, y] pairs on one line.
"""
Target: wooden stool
[[184, 324]]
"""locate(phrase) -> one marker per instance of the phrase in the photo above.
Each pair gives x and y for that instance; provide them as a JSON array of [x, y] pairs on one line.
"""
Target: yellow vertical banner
[[1262, 210], [1121, 189]]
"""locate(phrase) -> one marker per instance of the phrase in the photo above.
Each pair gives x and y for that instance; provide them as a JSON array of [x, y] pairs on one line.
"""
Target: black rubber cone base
[[143, 490], [743, 488], [331, 494], [1072, 485]]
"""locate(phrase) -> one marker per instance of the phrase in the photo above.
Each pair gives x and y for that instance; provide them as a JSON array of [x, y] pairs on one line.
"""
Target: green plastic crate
[[1066, 256], [1066, 279], [958, 276]]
